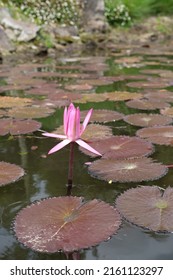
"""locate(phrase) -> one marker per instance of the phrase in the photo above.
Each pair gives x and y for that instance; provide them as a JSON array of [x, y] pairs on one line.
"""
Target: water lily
[[72, 130]]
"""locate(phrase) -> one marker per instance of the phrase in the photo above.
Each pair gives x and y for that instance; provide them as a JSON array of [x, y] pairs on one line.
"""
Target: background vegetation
[[117, 12]]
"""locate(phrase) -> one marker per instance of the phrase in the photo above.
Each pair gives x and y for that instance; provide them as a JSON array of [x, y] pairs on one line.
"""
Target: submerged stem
[[70, 169]]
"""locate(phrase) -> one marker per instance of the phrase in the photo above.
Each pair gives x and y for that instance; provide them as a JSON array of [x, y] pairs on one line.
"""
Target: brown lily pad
[[16, 127], [162, 135], [122, 95], [146, 120], [167, 111], [153, 83], [91, 97], [128, 170], [9, 173], [148, 207], [30, 112], [65, 223], [121, 147], [103, 116], [92, 132], [79, 87], [10, 102], [147, 104]]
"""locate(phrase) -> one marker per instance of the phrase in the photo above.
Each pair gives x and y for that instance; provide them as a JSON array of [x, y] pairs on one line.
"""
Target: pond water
[[144, 72]]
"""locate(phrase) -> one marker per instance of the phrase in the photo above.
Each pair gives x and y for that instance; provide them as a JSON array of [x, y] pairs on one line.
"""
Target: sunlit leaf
[[148, 206], [128, 170], [30, 112], [65, 223], [146, 120], [121, 147], [10, 102], [16, 127], [9, 173], [162, 135]]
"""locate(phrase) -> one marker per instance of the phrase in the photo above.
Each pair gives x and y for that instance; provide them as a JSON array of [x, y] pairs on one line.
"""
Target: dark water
[[47, 176]]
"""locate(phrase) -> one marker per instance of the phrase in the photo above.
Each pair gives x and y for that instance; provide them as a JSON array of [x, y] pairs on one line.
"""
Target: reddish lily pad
[[162, 135], [9, 173], [30, 112], [103, 116], [167, 111], [148, 207], [128, 170], [16, 127], [121, 147], [79, 87], [146, 120], [65, 223], [92, 132], [163, 95], [153, 83], [147, 104]]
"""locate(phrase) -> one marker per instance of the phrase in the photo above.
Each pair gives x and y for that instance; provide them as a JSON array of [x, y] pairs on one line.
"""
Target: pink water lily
[[72, 130]]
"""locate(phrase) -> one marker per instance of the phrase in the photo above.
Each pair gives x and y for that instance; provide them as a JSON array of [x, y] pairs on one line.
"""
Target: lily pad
[[30, 112], [103, 116], [146, 120], [15, 127], [65, 223], [153, 83], [128, 170], [11, 102], [9, 173], [91, 97], [162, 135], [148, 207], [121, 96], [147, 104], [92, 132], [121, 147]]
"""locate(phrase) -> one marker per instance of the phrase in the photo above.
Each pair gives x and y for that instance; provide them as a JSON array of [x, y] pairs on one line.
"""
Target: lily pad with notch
[[65, 223], [148, 207]]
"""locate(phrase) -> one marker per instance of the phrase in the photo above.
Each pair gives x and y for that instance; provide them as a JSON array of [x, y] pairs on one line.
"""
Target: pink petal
[[71, 132], [59, 146], [65, 120], [54, 135], [86, 146], [86, 120], [77, 123]]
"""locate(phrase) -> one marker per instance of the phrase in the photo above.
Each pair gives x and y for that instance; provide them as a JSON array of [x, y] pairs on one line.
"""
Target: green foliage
[[124, 12], [117, 13], [44, 11], [161, 7]]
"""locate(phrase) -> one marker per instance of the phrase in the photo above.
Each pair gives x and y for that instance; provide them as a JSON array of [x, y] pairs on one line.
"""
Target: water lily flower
[[72, 130]]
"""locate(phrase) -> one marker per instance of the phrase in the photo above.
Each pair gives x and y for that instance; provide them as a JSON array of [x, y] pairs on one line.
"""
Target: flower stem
[[70, 169]]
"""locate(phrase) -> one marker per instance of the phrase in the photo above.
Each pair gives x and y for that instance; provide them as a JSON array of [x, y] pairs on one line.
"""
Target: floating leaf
[[15, 127], [129, 170], [147, 104], [162, 135], [167, 111], [91, 97], [153, 83], [79, 87], [65, 223], [10, 102], [103, 116], [121, 147], [96, 131], [121, 96], [92, 132], [9, 173], [148, 206], [30, 112], [146, 120], [163, 95]]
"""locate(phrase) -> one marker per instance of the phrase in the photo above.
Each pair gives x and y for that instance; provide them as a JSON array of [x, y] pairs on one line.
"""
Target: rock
[[93, 16], [5, 43], [17, 30]]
